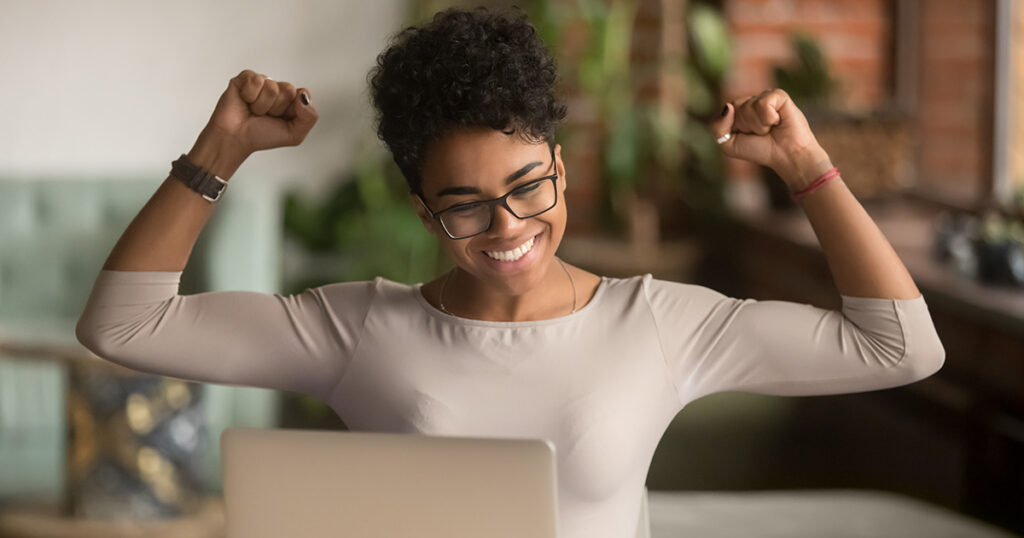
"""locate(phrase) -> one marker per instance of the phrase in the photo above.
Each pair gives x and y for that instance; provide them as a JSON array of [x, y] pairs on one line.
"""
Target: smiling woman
[[507, 231], [467, 105], [512, 342]]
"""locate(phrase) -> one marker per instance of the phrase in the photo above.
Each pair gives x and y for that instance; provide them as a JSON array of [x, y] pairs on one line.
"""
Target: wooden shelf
[[47, 521]]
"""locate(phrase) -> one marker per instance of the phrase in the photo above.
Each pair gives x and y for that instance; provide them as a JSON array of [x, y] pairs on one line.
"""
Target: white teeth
[[511, 255]]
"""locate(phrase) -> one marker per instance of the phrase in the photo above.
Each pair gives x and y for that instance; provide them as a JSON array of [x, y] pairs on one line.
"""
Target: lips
[[509, 245], [512, 264], [512, 254]]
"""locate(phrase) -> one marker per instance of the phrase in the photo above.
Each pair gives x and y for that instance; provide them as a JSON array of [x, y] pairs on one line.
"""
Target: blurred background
[[919, 103]]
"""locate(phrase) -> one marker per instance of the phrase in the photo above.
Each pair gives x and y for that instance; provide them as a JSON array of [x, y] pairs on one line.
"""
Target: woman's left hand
[[768, 129]]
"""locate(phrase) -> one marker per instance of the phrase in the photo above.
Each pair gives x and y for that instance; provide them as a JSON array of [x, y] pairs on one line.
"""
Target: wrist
[[806, 167], [217, 153]]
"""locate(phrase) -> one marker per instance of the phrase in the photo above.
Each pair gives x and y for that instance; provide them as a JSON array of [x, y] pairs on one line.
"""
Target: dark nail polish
[[305, 99], [725, 110]]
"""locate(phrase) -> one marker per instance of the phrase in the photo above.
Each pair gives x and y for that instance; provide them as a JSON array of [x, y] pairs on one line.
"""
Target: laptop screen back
[[328, 483]]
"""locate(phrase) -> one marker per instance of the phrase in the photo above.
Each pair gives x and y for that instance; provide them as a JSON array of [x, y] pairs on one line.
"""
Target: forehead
[[481, 157]]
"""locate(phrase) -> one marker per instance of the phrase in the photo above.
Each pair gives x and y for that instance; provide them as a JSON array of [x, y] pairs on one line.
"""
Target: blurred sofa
[[55, 234]]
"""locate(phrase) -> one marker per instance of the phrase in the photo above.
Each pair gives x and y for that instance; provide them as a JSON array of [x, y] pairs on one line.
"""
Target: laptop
[[280, 482]]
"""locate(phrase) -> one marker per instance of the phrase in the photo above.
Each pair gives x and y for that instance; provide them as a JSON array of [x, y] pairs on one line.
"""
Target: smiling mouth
[[514, 254]]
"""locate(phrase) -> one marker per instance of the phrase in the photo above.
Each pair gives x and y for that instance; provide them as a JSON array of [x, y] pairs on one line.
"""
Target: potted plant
[[872, 149], [655, 155]]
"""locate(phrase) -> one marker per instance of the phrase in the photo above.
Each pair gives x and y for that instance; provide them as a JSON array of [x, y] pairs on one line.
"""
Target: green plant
[[809, 82], [705, 68], [643, 142], [368, 222]]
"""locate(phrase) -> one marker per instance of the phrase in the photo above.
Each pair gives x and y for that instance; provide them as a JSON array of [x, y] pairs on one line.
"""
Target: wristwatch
[[198, 178]]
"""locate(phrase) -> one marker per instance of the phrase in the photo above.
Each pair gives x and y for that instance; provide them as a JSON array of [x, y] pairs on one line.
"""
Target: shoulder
[[352, 294], [667, 295], [650, 285]]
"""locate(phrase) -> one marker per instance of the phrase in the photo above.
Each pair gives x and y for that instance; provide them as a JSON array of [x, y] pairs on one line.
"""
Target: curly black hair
[[472, 68]]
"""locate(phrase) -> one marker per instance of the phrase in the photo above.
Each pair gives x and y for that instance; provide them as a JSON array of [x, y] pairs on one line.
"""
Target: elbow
[[89, 335], [97, 334], [924, 358]]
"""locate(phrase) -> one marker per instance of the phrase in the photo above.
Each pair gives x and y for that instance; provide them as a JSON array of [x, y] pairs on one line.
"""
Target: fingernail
[[725, 110], [304, 97]]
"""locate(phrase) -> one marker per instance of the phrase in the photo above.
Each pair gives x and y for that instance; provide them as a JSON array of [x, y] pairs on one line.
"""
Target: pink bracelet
[[822, 179]]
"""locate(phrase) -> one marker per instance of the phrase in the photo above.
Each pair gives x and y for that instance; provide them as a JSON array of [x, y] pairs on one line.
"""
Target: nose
[[503, 222]]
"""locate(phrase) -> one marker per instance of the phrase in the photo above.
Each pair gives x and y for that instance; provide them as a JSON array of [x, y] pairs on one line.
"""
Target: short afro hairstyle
[[463, 69]]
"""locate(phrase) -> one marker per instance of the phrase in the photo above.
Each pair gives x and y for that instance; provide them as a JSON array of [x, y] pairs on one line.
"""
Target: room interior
[[922, 108]]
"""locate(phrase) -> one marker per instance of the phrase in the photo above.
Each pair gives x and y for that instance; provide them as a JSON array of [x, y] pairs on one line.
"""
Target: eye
[[526, 189], [463, 208]]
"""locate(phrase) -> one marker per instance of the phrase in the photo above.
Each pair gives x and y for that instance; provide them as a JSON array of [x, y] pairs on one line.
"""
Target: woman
[[512, 342]]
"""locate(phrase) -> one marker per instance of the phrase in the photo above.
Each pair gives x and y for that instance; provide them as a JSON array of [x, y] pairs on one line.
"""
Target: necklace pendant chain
[[444, 284]]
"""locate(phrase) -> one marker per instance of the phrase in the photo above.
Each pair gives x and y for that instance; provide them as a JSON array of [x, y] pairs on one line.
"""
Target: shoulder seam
[[661, 346], [903, 330], [375, 285]]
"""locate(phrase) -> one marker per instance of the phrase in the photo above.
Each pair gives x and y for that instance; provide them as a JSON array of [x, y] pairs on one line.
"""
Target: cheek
[[557, 221], [455, 249]]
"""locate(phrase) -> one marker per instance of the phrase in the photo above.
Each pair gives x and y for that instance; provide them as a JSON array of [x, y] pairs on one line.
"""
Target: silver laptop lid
[[328, 483]]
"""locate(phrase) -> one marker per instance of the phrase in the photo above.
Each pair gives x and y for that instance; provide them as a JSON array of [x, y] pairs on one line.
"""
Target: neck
[[468, 297]]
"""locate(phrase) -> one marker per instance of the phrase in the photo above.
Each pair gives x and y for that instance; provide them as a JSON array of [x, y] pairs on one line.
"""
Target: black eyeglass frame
[[501, 200]]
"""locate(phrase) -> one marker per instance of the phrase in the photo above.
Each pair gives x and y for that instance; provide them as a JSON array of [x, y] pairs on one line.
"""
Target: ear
[[423, 213], [560, 166]]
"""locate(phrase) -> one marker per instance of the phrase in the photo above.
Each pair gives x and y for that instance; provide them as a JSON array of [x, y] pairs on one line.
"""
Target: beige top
[[602, 384]]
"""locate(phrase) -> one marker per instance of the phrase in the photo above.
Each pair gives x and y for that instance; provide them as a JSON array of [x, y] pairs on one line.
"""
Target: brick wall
[[950, 96], [954, 112], [855, 36], [1017, 101], [950, 99]]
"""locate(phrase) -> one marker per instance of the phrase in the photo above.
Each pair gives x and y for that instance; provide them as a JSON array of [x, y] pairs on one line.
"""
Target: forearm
[[162, 235], [862, 261]]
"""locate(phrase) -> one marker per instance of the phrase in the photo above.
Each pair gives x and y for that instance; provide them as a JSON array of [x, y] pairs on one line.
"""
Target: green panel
[[32, 428], [56, 234]]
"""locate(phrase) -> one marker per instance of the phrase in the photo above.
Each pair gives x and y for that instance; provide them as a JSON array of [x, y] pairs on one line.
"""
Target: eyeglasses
[[528, 200]]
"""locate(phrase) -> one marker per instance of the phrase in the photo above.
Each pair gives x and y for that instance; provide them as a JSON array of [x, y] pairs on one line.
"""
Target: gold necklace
[[440, 298]]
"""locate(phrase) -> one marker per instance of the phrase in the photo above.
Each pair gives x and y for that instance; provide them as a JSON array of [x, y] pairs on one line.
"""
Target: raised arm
[[135, 316], [768, 129], [253, 113], [883, 336]]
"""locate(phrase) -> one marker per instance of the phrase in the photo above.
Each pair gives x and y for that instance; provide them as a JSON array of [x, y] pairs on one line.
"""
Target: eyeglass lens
[[526, 201]]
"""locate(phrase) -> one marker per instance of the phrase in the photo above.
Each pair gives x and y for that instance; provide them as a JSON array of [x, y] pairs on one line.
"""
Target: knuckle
[[253, 81]]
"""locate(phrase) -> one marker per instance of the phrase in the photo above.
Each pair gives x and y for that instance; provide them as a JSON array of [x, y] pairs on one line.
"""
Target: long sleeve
[[714, 343], [299, 343]]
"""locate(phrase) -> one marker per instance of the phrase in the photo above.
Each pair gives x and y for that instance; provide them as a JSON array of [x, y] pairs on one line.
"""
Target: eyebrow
[[473, 190]]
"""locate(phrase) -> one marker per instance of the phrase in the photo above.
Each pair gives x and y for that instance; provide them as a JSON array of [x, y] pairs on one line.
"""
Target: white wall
[[124, 87]]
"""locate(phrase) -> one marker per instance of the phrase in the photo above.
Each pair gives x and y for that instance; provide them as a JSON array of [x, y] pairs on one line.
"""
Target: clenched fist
[[261, 113], [254, 113], [768, 129]]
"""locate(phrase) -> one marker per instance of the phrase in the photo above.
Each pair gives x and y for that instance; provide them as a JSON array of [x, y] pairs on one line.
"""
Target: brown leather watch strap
[[198, 178]]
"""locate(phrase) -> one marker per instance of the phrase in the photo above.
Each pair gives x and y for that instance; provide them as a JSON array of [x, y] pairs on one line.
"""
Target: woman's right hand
[[256, 113]]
